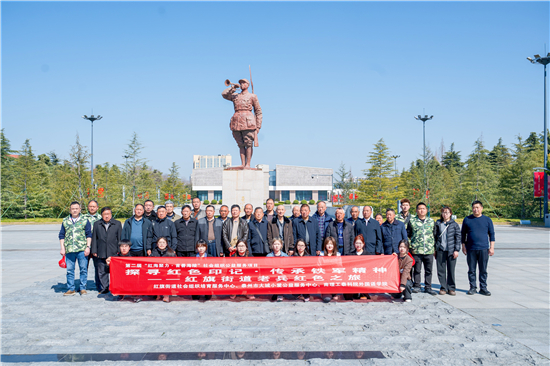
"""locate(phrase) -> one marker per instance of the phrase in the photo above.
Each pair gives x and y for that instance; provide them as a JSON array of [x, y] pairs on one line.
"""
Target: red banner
[[235, 276], [539, 184]]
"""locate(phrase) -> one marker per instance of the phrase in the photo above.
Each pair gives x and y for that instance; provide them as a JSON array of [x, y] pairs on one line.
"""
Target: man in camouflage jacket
[[421, 233], [75, 238]]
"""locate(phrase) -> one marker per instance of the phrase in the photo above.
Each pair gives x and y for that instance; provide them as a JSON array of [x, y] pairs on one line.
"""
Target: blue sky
[[332, 78]]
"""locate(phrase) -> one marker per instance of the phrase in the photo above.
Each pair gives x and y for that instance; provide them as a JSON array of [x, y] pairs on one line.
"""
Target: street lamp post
[[424, 119], [92, 119], [544, 61], [395, 158]]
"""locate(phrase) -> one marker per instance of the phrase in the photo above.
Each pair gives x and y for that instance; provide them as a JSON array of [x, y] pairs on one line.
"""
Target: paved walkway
[[510, 327]]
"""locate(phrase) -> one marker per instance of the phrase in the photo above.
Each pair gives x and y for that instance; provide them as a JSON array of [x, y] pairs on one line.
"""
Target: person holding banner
[[301, 251], [405, 266], [163, 250], [330, 249], [277, 245], [200, 248], [242, 251], [359, 249]]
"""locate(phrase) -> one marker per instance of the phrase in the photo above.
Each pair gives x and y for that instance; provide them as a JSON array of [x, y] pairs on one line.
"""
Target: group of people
[[415, 238]]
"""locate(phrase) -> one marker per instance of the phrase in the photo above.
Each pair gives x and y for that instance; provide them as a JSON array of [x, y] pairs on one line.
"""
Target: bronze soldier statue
[[244, 124]]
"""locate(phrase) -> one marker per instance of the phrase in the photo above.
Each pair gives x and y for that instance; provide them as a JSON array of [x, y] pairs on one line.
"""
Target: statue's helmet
[[244, 81]]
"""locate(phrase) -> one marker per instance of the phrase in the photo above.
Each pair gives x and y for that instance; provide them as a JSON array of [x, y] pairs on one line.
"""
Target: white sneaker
[[279, 298], [408, 300], [306, 299]]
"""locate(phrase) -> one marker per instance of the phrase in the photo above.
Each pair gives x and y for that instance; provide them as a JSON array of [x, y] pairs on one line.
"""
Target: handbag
[[62, 263]]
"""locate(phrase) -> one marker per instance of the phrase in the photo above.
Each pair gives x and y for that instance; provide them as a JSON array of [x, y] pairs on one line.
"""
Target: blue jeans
[[70, 259]]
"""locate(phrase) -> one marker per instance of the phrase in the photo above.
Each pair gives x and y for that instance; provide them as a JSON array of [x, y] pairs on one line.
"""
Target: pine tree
[[500, 156], [133, 163], [451, 159], [380, 189], [79, 158], [173, 184], [344, 182], [31, 182]]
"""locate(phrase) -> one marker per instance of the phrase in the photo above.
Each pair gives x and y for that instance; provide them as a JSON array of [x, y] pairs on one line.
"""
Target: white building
[[211, 161]]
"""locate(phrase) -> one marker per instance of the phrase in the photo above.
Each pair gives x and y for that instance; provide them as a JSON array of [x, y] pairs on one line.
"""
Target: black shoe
[[416, 290], [327, 299], [484, 292], [471, 291], [104, 291], [430, 291]]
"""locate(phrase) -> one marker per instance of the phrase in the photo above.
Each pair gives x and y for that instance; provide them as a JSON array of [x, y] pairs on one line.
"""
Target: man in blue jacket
[[323, 221], [306, 228], [478, 243], [257, 234], [393, 231], [136, 230], [370, 229]]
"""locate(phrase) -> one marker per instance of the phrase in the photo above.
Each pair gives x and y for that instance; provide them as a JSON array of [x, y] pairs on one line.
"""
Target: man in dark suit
[[209, 229], [306, 228], [186, 228], [370, 229], [105, 237], [343, 232]]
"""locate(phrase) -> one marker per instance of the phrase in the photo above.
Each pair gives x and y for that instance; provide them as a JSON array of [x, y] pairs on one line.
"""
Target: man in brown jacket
[[281, 227], [244, 123]]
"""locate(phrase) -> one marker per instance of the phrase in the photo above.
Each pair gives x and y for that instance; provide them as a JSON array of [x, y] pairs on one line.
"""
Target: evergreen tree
[[500, 156], [380, 189], [451, 159], [133, 163], [79, 160], [344, 182], [31, 183], [173, 184]]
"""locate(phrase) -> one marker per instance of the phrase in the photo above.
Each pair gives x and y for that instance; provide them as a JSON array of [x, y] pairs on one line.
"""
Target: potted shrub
[[304, 202], [287, 202], [312, 202], [295, 202], [214, 202], [206, 202]]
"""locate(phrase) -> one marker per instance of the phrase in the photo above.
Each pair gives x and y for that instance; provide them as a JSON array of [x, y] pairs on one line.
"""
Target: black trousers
[[137, 253], [479, 258], [181, 253], [97, 283], [407, 292], [427, 260], [103, 272], [446, 270]]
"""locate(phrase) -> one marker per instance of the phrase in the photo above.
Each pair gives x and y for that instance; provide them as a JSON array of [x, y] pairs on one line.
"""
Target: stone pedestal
[[246, 186]]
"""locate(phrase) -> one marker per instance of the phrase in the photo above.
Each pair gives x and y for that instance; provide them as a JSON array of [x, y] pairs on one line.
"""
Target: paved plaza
[[511, 327]]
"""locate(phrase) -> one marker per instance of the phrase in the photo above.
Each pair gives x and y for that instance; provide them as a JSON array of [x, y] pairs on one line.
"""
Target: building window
[[217, 195], [272, 178], [323, 195], [203, 195], [285, 195], [304, 195]]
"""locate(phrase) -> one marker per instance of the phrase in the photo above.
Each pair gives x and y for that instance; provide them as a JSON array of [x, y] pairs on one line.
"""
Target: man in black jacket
[[232, 234], [186, 228], [163, 227], [257, 234], [281, 227], [306, 228], [370, 229], [105, 237], [343, 232], [149, 210]]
